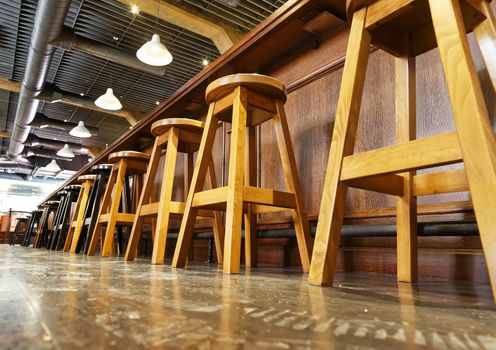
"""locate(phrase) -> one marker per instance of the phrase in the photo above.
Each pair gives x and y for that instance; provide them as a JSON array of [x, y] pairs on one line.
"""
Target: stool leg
[[164, 207], [250, 216], [145, 195], [302, 228], [114, 209], [70, 231], [107, 196], [197, 182], [477, 140], [406, 206], [485, 33], [234, 205], [218, 224], [97, 197], [332, 207], [39, 230]]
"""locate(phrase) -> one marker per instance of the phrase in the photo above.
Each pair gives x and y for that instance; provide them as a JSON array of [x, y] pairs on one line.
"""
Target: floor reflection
[[55, 300]]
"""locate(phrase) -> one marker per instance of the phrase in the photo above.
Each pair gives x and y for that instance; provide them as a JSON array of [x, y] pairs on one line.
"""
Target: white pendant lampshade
[[108, 101], [66, 152], [80, 130], [154, 53], [53, 166]]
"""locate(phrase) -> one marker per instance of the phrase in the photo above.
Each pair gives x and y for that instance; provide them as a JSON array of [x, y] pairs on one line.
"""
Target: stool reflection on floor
[[245, 100]]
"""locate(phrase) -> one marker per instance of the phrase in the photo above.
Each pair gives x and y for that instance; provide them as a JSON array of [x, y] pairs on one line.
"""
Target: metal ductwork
[[48, 23], [12, 167], [68, 40], [29, 152], [42, 121], [34, 141]]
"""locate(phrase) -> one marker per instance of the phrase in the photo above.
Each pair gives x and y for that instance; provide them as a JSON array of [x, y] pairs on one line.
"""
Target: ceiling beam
[[222, 35], [5, 134], [131, 116]]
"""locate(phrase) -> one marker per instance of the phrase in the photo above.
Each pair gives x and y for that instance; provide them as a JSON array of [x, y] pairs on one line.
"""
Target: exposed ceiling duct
[[53, 94], [30, 152], [48, 23], [68, 40], [34, 141], [42, 121]]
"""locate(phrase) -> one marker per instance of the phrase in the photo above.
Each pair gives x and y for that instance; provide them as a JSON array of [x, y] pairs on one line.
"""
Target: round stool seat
[[101, 168], [72, 187], [137, 156], [62, 192], [160, 127], [263, 84], [414, 20], [52, 202], [86, 177]]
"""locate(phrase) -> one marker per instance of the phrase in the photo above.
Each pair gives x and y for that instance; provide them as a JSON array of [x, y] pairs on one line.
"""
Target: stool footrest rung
[[217, 198], [418, 154], [176, 208], [121, 218]]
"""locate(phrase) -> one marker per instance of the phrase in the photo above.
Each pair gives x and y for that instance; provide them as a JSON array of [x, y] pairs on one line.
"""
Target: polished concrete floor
[[60, 301]]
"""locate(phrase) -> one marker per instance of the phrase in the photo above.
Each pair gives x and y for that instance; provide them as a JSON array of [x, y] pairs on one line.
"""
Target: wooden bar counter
[[303, 44]]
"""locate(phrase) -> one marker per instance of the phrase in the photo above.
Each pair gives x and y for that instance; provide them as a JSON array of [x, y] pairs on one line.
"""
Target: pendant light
[[66, 152], [80, 131], [153, 52], [108, 101], [52, 166]]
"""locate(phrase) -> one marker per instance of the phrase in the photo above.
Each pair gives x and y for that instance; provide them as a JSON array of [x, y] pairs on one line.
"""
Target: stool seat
[[413, 19], [52, 202], [160, 127], [86, 177], [137, 156], [62, 192], [101, 167], [262, 84]]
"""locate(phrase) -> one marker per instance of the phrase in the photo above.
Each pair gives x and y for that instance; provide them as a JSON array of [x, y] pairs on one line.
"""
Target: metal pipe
[[423, 230], [68, 40], [42, 121], [48, 23], [52, 96], [29, 152], [35, 141]]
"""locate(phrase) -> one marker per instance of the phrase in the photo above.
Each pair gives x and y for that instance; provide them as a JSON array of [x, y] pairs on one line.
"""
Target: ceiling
[[110, 22]]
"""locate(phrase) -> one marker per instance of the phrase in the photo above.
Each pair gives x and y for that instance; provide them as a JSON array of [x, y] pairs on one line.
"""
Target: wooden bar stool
[[19, 231], [33, 222], [406, 29], [61, 224], [101, 172], [77, 220], [174, 135], [245, 100], [117, 209], [43, 231]]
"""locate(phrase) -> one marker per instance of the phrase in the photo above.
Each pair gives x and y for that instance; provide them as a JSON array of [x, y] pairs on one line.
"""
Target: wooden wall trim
[[321, 72]]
